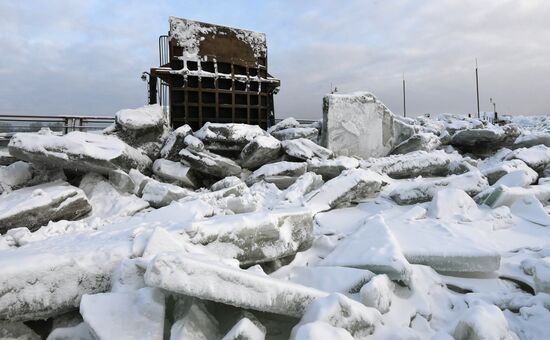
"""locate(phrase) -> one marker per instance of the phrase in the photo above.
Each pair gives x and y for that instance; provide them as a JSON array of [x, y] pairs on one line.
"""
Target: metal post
[[404, 98], [153, 90], [477, 91]]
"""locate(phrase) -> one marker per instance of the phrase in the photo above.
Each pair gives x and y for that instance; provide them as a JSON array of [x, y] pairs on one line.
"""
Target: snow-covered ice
[[235, 232]]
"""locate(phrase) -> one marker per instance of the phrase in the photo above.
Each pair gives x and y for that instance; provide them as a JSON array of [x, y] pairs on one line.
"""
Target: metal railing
[[301, 121], [11, 124], [164, 58]]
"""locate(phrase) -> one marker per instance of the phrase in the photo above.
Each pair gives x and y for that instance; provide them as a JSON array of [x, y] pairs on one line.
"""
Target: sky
[[86, 57]]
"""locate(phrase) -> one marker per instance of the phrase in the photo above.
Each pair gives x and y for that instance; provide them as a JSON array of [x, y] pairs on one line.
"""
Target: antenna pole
[[404, 98], [477, 92]]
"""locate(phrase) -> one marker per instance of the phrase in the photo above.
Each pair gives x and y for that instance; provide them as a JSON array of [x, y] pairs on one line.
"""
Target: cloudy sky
[[86, 57]]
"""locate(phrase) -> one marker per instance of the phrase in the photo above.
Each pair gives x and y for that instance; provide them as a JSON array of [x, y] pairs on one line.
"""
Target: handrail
[[33, 117], [64, 124]]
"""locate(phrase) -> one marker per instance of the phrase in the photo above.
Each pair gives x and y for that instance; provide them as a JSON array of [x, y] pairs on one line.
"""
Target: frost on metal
[[189, 34]]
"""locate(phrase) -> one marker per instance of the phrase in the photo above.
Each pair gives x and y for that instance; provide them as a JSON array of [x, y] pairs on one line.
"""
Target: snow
[[483, 322], [107, 203], [371, 247], [377, 293], [78, 150], [188, 34], [143, 118], [537, 157], [319, 247], [341, 312]]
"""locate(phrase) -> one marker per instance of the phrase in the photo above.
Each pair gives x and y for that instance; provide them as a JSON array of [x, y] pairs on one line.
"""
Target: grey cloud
[[86, 57]]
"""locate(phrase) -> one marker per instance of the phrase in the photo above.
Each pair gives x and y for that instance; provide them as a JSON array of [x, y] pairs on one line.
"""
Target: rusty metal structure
[[212, 73]]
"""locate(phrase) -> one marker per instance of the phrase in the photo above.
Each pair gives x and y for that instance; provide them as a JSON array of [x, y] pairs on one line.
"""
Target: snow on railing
[[11, 124]]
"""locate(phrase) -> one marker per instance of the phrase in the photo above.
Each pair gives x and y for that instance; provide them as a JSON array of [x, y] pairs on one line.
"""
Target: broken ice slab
[[421, 141], [518, 178], [5, 157], [541, 275], [193, 321], [452, 203], [320, 330], [341, 312], [209, 280], [282, 174], [48, 277], [349, 186], [79, 151], [291, 133], [483, 321], [530, 208], [122, 181], [245, 330], [532, 139], [358, 124], [423, 189], [15, 175], [144, 128], [210, 163], [148, 117], [377, 293], [175, 142], [536, 157], [503, 195], [174, 172], [305, 149], [494, 172], [160, 194], [445, 246], [78, 332], [229, 133], [17, 331], [125, 315], [303, 185], [128, 275], [255, 237], [226, 182], [106, 201], [494, 136], [437, 163], [259, 151], [330, 168], [35, 206], [330, 279], [286, 123], [371, 247]]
